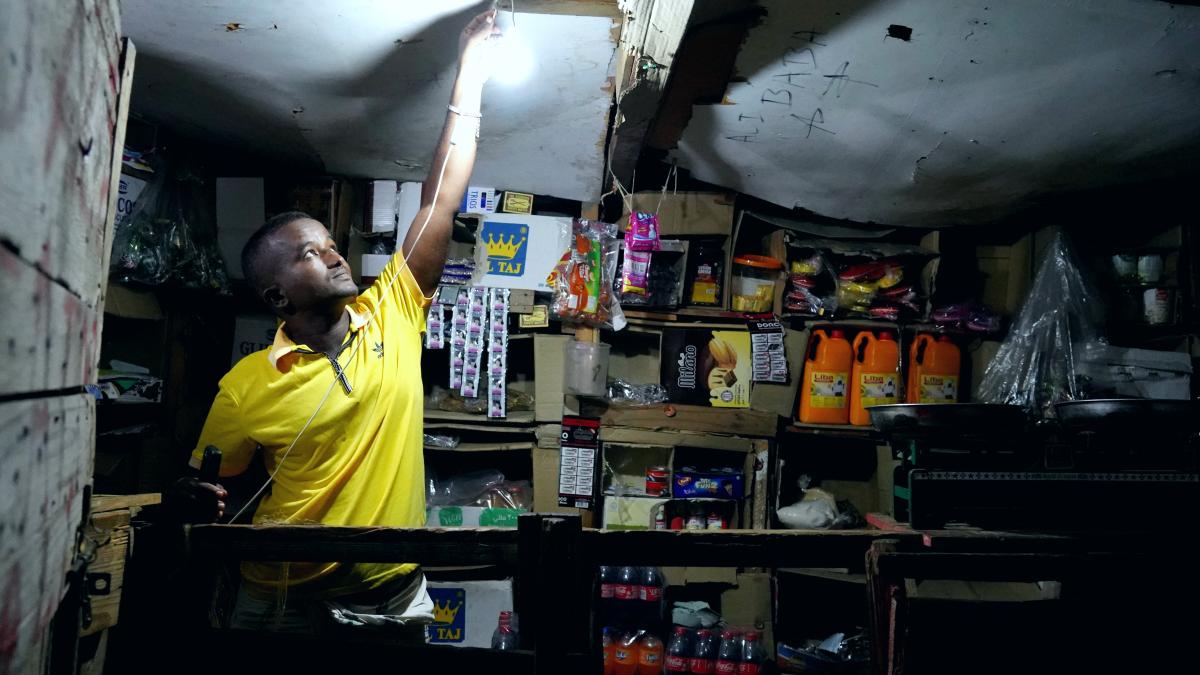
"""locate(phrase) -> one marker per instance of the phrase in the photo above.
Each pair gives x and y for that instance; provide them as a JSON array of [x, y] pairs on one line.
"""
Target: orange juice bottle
[[875, 375], [823, 398], [933, 370]]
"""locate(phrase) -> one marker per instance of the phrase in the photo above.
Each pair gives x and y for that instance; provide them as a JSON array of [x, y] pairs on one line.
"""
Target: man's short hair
[[252, 252]]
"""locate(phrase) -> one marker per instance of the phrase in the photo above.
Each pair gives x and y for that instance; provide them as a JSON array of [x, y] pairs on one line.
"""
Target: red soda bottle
[[650, 655], [505, 635], [704, 656], [628, 585], [729, 655], [678, 653], [752, 655]]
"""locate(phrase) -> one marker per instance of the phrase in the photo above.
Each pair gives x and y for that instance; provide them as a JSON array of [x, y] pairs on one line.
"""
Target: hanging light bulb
[[512, 59]]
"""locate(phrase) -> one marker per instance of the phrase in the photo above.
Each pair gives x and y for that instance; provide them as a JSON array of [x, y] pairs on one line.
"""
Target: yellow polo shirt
[[361, 461]]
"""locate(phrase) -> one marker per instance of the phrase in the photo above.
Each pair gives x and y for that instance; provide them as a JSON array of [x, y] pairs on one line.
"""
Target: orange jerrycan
[[826, 383], [875, 376], [933, 370]]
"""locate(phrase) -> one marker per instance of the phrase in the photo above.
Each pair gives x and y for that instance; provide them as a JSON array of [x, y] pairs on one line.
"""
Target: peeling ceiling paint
[[360, 86], [928, 112]]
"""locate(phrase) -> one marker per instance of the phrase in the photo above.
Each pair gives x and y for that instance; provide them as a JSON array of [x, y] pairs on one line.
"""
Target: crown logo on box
[[502, 247], [445, 613]]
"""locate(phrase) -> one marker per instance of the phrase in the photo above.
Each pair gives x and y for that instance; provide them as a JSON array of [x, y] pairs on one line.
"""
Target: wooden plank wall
[[60, 121]]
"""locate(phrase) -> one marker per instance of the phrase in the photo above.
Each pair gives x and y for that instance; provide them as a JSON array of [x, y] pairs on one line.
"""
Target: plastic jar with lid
[[754, 278]]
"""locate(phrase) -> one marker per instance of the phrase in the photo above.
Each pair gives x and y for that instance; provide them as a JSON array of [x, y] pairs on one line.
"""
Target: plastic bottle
[[608, 647], [679, 653], [625, 655], [823, 398], [704, 655], [933, 370], [695, 520], [715, 521], [875, 374], [505, 635], [608, 586], [753, 655], [729, 654], [650, 655]]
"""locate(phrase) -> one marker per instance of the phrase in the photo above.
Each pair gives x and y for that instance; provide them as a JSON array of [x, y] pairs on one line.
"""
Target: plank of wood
[[694, 418], [57, 124], [49, 338], [102, 503], [125, 92], [45, 464], [518, 417], [485, 447], [731, 548], [317, 543], [109, 531], [607, 8]]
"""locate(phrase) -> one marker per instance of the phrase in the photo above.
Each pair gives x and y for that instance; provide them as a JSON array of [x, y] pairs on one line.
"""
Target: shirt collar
[[282, 352]]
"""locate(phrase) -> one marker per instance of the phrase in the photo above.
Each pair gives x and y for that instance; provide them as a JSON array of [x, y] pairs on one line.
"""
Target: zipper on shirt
[[333, 360]]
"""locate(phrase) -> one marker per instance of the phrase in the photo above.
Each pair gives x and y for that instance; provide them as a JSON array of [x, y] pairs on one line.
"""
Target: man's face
[[308, 270]]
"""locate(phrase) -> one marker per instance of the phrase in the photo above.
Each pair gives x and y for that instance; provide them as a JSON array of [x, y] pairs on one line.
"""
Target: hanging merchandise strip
[[435, 327], [497, 352], [767, 356], [476, 320], [458, 338]]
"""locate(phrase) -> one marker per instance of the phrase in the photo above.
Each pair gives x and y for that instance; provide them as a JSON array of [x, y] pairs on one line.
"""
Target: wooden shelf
[[517, 417], [694, 418], [485, 447], [845, 430]]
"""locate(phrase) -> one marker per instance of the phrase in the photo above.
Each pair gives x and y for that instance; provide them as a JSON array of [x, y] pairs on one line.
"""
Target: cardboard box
[[708, 485], [748, 605], [519, 251], [631, 513], [781, 399], [465, 612], [470, 516], [251, 333], [692, 373], [479, 200], [381, 207], [241, 209], [549, 364], [687, 213]]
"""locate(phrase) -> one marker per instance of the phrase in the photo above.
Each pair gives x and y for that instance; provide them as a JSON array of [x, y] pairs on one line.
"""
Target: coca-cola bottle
[[650, 655], [729, 654], [753, 655], [704, 655], [505, 635], [679, 653], [608, 585]]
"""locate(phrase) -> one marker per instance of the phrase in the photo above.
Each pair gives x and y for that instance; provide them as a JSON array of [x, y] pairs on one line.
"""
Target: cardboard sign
[[479, 200], [464, 612], [517, 202], [252, 333], [515, 251], [707, 367]]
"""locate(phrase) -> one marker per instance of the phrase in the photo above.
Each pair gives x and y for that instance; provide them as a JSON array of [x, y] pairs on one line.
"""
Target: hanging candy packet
[[458, 337], [476, 320], [435, 336], [635, 272], [643, 232], [497, 352]]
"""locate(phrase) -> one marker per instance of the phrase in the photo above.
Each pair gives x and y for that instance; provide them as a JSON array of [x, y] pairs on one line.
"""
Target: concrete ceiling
[[938, 112], [359, 87]]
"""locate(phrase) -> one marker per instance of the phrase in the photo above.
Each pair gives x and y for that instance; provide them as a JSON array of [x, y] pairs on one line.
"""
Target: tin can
[[657, 480]]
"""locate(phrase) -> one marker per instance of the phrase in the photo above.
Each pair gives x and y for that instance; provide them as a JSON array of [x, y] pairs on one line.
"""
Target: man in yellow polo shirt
[[336, 402]]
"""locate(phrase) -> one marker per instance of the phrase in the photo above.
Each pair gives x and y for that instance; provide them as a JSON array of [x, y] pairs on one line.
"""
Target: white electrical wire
[[358, 343]]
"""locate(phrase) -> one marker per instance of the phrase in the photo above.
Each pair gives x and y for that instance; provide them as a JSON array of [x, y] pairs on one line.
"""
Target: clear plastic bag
[[170, 236], [583, 279], [462, 489], [624, 393], [1037, 364]]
